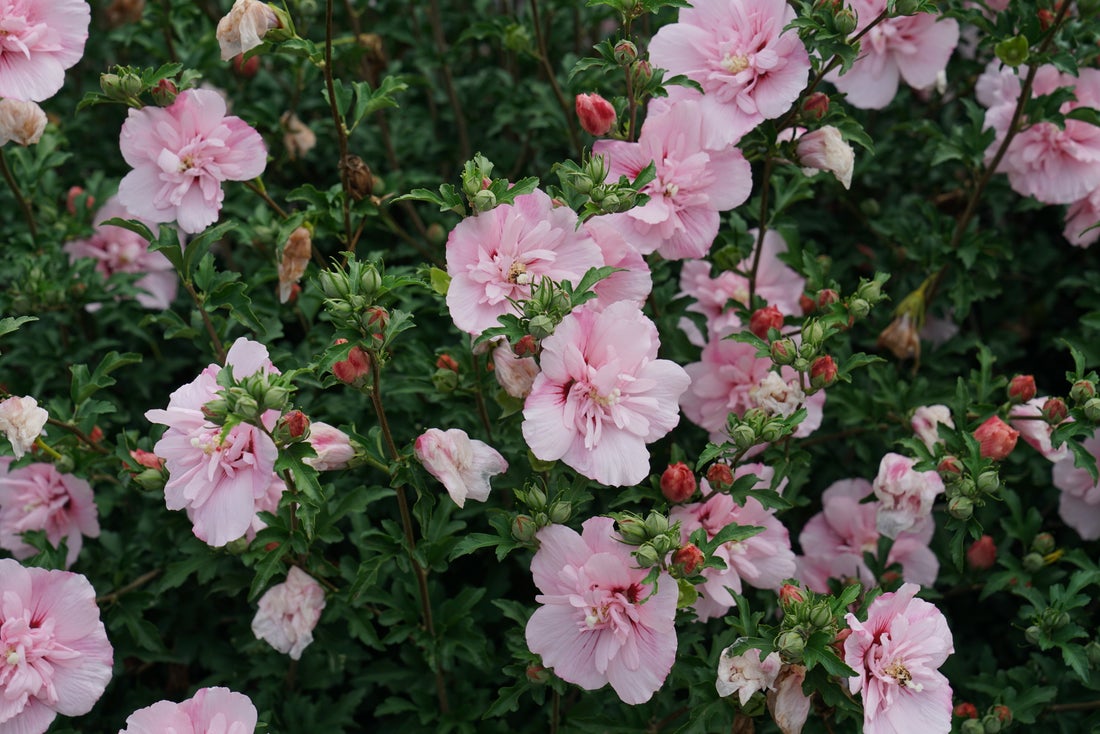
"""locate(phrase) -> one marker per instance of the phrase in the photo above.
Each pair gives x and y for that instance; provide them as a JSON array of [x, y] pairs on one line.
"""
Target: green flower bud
[[988, 481], [1092, 651], [743, 436], [1033, 634], [1092, 409], [560, 512], [1013, 51], [656, 524], [791, 644], [445, 380], [524, 529], [238, 546], [632, 530], [1043, 543], [663, 545], [625, 52], [783, 351], [845, 21], [153, 479], [870, 291], [991, 724], [961, 507], [859, 308], [535, 498], [334, 284], [1032, 562], [972, 726], [771, 432], [647, 556], [906, 7], [610, 203], [484, 200], [813, 333], [821, 616], [541, 326], [370, 280]]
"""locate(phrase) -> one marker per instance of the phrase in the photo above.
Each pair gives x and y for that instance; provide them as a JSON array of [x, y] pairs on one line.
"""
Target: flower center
[[605, 400], [735, 63], [901, 674], [517, 273]]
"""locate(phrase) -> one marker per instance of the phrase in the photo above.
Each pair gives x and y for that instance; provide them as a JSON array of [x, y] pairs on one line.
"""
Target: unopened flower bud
[[152, 479], [972, 726], [1004, 713], [632, 530], [859, 308], [642, 72], [647, 556], [720, 476], [370, 280], [484, 200], [783, 351], [1032, 562], [446, 362], [991, 724], [765, 319], [355, 369], [816, 105], [845, 21], [997, 438], [524, 529], [1092, 409], [1021, 388], [1055, 411], [1082, 391], [790, 594], [821, 616], [560, 512], [334, 284], [807, 304], [989, 481], [526, 346], [771, 431], [744, 437], [216, 411], [906, 7], [625, 52], [293, 426], [823, 371], [1013, 51], [949, 467], [165, 92], [1092, 651], [1043, 543], [791, 645], [445, 380], [656, 524], [688, 559], [966, 710], [827, 297], [538, 675], [961, 508], [541, 326], [596, 114], [376, 319], [677, 482], [982, 553]]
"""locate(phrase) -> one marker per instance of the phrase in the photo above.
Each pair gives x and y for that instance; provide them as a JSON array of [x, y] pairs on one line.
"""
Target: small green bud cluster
[[755, 427], [541, 512], [350, 296], [248, 399], [804, 614], [654, 537]]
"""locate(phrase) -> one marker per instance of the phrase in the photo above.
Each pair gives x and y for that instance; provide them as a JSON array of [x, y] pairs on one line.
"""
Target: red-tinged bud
[[790, 594], [71, 199], [446, 362], [678, 483], [982, 553], [687, 559], [816, 105], [272, 546], [165, 92], [147, 459], [643, 72], [247, 69], [96, 435], [1021, 388], [890, 577], [557, 203], [822, 371], [595, 113], [783, 351], [625, 52], [1082, 391], [353, 370], [1055, 411], [1046, 19], [807, 304], [720, 476], [966, 710], [295, 291], [764, 319], [838, 641], [486, 182], [294, 424], [526, 346], [538, 674], [827, 297], [378, 319], [997, 438], [1004, 713], [949, 465]]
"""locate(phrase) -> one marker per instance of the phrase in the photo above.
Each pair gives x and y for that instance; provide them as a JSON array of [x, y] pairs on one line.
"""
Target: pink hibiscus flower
[[835, 539], [288, 612], [602, 395], [21, 421], [220, 478], [38, 497], [599, 623], [914, 48], [905, 495], [633, 281], [118, 250], [58, 659], [462, 464], [1081, 220], [763, 560], [1055, 165], [494, 258], [896, 654], [694, 181], [39, 40], [1080, 502], [209, 710], [750, 69], [181, 154], [1035, 431]]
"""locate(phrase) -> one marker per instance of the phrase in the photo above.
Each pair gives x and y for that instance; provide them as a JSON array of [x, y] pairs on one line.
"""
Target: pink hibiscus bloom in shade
[[905, 495], [1081, 220], [763, 560], [1034, 430], [288, 612], [494, 258], [57, 657], [750, 69], [333, 447], [633, 282], [913, 48], [461, 463], [693, 182], [1055, 165], [220, 478], [1080, 502], [39, 40], [209, 710], [730, 378], [181, 154], [835, 539], [38, 497], [998, 84], [603, 395], [599, 623], [896, 654], [118, 250]]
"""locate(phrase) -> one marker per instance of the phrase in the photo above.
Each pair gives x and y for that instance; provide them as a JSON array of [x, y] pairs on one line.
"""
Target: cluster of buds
[[540, 513], [248, 399], [1083, 395], [150, 472], [545, 309], [756, 427], [1043, 552], [966, 490], [123, 85], [476, 183], [589, 179], [654, 537], [804, 614], [350, 296], [996, 719]]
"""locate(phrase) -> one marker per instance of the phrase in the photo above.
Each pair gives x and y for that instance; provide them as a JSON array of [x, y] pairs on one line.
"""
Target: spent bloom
[[118, 250], [39, 40], [826, 150], [181, 154], [602, 395], [1025, 418], [292, 264], [298, 137], [750, 69], [288, 612], [209, 711], [244, 28], [514, 373], [221, 477], [906, 494], [461, 463], [20, 122], [599, 621], [747, 673], [57, 659], [926, 422], [39, 497], [1079, 506], [21, 420], [912, 48], [896, 654]]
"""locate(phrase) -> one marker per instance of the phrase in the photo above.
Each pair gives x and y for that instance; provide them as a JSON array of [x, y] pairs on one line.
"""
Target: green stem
[[215, 341], [17, 192]]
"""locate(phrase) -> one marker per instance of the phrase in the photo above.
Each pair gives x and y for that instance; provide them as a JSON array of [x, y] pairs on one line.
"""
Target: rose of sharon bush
[[288, 612], [39, 497], [39, 40], [599, 623], [602, 395], [220, 478], [896, 654], [209, 711], [181, 154], [57, 659]]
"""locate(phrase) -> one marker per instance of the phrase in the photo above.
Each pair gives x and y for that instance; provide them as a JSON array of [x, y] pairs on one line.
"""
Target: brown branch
[[132, 586]]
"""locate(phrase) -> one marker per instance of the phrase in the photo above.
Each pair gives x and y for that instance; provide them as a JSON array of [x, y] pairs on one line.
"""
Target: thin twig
[[270, 202], [132, 586], [79, 434], [540, 39], [215, 341], [15, 190], [448, 79], [759, 248], [338, 120]]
